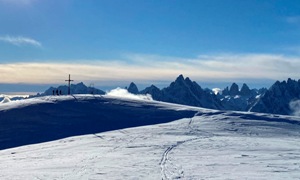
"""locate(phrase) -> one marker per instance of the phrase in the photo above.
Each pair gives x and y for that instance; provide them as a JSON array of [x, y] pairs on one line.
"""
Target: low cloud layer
[[153, 68], [123, 93], [295, 107], [20, 41]]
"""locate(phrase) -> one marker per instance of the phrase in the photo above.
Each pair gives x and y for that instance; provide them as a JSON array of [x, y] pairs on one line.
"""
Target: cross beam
[[69, 81]]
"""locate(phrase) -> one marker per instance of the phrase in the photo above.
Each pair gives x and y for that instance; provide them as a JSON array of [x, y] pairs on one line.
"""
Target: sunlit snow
[[209, 145]]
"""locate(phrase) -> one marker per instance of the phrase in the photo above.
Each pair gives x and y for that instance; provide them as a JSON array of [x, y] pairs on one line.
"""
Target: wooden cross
[[69, 80]]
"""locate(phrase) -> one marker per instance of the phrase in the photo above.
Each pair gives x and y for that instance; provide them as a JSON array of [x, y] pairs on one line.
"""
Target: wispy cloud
[[18, 2], [227, 66], [20, 40], [154, 68]]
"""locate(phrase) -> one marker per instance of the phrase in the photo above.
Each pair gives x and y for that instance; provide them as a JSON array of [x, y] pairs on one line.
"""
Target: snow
[[258, 96], [237, 97], [217, 91], [211, 144], [5, 100]]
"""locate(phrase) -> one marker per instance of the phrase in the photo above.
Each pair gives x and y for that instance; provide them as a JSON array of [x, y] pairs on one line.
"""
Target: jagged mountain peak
[[276, 83], [180, 78], [234, 86], [79, 88], [186, 91], [245, 90], [133, 88], [290, 80], [153, 86], [181, 81], [277, 98], [225, 91], [187, 79], [79, 85], [245, 86], [154, 91], [234, 89]]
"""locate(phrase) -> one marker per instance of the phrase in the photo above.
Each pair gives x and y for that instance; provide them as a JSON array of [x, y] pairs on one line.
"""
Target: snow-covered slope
[[5, 98], [200, 144], [48, 118]]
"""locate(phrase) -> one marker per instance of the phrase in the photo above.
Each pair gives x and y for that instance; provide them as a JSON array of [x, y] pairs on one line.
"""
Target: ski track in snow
[[171, 170]]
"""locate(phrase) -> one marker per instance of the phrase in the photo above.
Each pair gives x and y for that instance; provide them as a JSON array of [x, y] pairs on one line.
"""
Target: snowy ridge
[[199, 144], [53, 117]]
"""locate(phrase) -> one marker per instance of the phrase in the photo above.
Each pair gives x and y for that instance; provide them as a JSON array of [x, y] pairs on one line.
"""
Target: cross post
[[69, 81]]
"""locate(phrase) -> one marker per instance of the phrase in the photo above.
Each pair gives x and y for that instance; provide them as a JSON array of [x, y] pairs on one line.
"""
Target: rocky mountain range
[[184, 91], [79, 88], [237, 99], [276, 100]]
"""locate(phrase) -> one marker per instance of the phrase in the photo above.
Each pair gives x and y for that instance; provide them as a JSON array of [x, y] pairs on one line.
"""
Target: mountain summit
[[133, 88], [187, 92], [277, 98], [79, 88]]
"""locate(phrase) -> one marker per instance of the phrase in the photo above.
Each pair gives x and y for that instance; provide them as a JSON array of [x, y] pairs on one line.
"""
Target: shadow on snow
[[51, 121]]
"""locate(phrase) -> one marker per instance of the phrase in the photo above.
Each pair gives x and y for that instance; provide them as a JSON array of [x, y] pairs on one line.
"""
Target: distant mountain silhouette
[[154, 91], [274, 100], [133, 88], [79, 88], [277, 98], [184, 91], [239, 100], [245, 90]]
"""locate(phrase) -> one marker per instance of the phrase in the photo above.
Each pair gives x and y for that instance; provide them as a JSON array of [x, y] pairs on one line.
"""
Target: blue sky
[[111, 43]]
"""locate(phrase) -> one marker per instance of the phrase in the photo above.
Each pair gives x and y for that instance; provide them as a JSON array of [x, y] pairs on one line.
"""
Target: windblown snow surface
[[96, 137]]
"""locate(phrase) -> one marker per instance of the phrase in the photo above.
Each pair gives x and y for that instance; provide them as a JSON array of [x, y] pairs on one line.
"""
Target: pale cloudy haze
[[111, 43]]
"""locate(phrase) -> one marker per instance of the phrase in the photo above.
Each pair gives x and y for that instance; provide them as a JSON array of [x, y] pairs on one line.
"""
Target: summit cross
[[69, 81]]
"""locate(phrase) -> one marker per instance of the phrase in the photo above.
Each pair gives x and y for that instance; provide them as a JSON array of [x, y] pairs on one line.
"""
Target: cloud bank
[[295, 107], [153, 68], [20, 40], [123, 93]]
